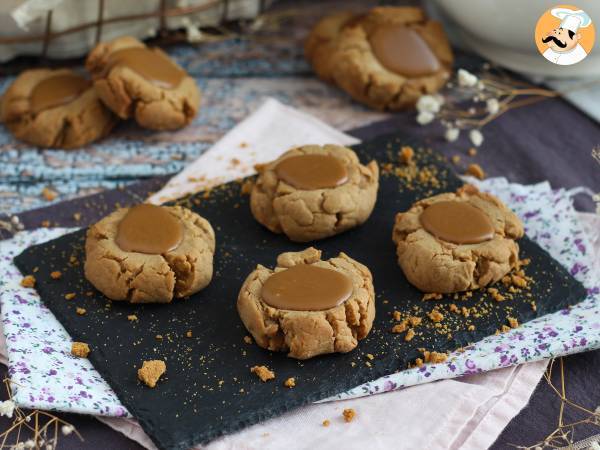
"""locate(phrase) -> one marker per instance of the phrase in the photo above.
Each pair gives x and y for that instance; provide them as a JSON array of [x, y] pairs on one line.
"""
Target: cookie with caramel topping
[[54, 108], [454, 242], [150, 254], [143, 83], [385, 58], [307, 306], [313, 192]]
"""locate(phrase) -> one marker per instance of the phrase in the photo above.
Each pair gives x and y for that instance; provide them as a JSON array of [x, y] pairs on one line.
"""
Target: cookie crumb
[[476, 171], [349, 415], [418, 362], [159, 337], [28, 281], [45, 223], [49, 194], [55, 275], [456, 160], [514, 323], [400, 328], [263, 372], [496, 295], [505, 328], [80, 311], [432, 296], [151, 371], [519, 281], [247, 339], [70, 296], [290, 382], [77, 216], [188, 333], [533, 306], [471, 328], [472, 151], [132, 317], [80, 349], [397, 316], [326, 423], [406, 155], [436, 316], [409, 335], [434, 357], [415, 321], [370, 356]]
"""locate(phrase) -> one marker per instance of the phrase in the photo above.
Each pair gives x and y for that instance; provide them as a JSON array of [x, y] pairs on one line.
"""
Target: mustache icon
[[555, 40]]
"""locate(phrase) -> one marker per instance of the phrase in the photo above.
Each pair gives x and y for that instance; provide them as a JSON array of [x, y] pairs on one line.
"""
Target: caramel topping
[[403, 51], [306, 288], [56, 91], [457, 222], [151, 64], [312, 171], [149, 229]]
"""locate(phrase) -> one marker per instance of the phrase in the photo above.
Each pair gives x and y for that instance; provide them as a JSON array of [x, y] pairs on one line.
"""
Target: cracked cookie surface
[[148, 278], [73, 124], [129, 94], [304, 334], [306, 215], [434, 265], [341, 50]]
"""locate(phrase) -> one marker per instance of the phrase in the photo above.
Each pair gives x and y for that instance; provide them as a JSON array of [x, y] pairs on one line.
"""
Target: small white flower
[[452, 134], [492, 105], [67, 429], [30, 443], [594, 446], [424, 117], [476, 137], [7, 408], [466, 79], [28, 419], [428, 103]]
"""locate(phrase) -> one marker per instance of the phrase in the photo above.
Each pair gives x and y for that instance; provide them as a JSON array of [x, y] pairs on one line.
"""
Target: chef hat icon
[[571, 20]]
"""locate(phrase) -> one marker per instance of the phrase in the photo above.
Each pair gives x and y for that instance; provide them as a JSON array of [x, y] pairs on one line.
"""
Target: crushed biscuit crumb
[[397, 316], [49, 194], [514, 323], [456, 159], [77, 216], [476, 171], [326, 423], [132, 317], [406, 155], [188, 333], [496, 295], [55, 275], [471, 328], [415, 321], [349, 414], [80, 349], [70, 296], [247, 339], [472, 151], [80, 311], [519, 281], [409, 335], [435, 357], [436, 316], [290, 382], [263, 372], [151, 371], [432, 296], [28, 281], [400, 328]]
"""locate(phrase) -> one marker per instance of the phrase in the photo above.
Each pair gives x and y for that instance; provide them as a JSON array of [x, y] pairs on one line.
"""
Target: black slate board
[[208, 389]]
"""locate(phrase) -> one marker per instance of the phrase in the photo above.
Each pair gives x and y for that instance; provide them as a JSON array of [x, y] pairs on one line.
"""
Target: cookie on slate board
[[385, 58], [307, 306], [150, 254], [313, 192], [144, 83], [453, 242], [54, 108]]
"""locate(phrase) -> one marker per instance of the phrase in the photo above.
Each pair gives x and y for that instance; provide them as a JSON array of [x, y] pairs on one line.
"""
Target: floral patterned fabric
[[39, 347]]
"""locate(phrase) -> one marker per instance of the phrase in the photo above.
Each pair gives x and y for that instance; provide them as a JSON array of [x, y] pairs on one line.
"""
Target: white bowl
[[503, 32]]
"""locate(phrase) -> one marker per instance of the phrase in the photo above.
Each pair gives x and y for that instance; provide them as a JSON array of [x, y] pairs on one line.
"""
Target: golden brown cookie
[[150, 256], [144, 83], [307, 333], [457, 241], [385, 58], [290, 206], [54, 108]]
